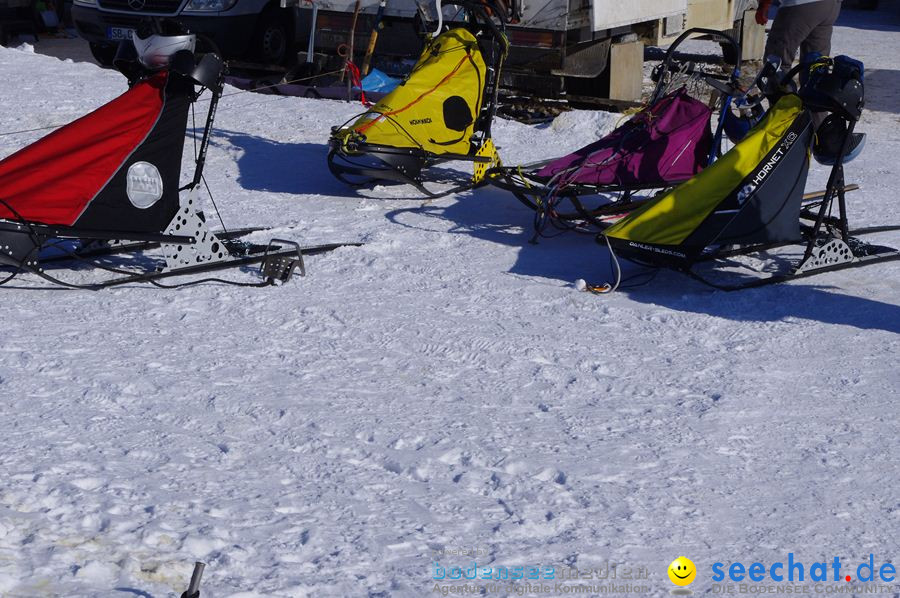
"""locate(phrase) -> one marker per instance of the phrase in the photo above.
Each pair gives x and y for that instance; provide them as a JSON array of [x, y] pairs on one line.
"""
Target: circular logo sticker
[[144, 185]]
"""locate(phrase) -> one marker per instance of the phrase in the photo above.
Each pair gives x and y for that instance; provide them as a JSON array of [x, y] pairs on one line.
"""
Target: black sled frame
[[357, 163], [545, 198], [828, 242]]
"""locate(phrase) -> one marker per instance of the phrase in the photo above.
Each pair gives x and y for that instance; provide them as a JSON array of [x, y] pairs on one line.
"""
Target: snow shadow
[[276, 167], [66, 47], [770, 304], [881, 90], [487, 213], [886, 18], [295, 168], [496, 216], [804, 299]]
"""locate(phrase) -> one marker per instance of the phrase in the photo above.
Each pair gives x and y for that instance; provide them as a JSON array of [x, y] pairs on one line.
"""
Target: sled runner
[[667, 142], [751, 200], [441, 113], [109, 182]]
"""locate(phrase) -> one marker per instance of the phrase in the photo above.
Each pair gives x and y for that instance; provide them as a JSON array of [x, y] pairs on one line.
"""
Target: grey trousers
[[806, 27]]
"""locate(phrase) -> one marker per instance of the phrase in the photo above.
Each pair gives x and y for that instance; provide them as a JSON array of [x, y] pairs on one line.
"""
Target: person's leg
[[789, 29], [821, 15], [819, 39]]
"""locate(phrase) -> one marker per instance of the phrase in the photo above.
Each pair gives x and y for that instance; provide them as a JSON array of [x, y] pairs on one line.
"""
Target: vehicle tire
[[729, 54], [274, 40], [104, 54], [588, 87], [206, 45]]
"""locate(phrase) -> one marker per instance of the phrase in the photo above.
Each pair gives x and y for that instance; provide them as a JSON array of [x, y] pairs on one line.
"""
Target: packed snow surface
[[442, 388]]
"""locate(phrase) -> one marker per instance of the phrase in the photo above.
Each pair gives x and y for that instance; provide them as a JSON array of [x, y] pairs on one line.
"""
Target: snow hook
[[193, 590]]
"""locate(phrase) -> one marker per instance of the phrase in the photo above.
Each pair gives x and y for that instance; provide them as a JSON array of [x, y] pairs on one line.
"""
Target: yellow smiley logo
[[682, 571]]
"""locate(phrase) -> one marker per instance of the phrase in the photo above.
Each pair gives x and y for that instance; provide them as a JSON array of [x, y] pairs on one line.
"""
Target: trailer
[[559, 48], [588, 48]]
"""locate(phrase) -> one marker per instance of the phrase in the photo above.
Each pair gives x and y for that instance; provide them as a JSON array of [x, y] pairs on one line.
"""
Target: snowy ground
[[443, 387]]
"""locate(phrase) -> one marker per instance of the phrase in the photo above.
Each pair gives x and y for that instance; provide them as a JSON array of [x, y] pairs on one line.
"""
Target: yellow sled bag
[[441, 112], [435, 108]]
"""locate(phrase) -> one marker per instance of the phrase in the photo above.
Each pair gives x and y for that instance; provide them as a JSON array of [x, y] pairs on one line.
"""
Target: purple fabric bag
[[666, 143]]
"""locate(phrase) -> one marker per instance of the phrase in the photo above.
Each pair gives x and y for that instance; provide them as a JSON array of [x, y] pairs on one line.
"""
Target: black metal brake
[[280, 266]]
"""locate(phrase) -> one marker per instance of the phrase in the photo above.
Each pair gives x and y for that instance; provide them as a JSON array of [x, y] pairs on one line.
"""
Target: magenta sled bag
[[666, 143]]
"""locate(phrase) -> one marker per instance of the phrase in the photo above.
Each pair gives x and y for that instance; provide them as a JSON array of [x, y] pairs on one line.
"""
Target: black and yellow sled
[[441, 113], [718, 226]]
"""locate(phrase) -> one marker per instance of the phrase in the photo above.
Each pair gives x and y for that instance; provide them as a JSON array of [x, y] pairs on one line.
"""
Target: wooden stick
[[373, 39]]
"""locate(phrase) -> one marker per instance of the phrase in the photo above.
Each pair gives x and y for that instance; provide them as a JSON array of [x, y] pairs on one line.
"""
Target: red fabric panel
[[52, 180]]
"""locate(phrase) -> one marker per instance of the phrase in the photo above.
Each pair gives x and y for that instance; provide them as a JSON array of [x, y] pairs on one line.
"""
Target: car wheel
[[206, 45], [104, 54], [729, 54], [274, 39]]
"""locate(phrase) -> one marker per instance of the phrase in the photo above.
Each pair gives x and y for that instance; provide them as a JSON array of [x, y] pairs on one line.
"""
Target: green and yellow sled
[[441, 113], [752, 200]]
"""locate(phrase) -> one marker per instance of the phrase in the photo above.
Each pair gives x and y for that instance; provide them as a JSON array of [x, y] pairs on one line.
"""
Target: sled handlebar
[[666, 65], [440, 16], [716, 35], [481, 9], [481, 12]]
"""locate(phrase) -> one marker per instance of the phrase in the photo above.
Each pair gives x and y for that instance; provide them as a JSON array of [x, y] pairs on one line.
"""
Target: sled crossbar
[[67, 232]]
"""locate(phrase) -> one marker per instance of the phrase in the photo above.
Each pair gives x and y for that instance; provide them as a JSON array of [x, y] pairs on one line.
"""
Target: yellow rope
[[628, 112]]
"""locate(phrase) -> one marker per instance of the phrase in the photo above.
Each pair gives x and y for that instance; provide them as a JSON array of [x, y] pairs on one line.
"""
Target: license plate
[[118, 33]]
